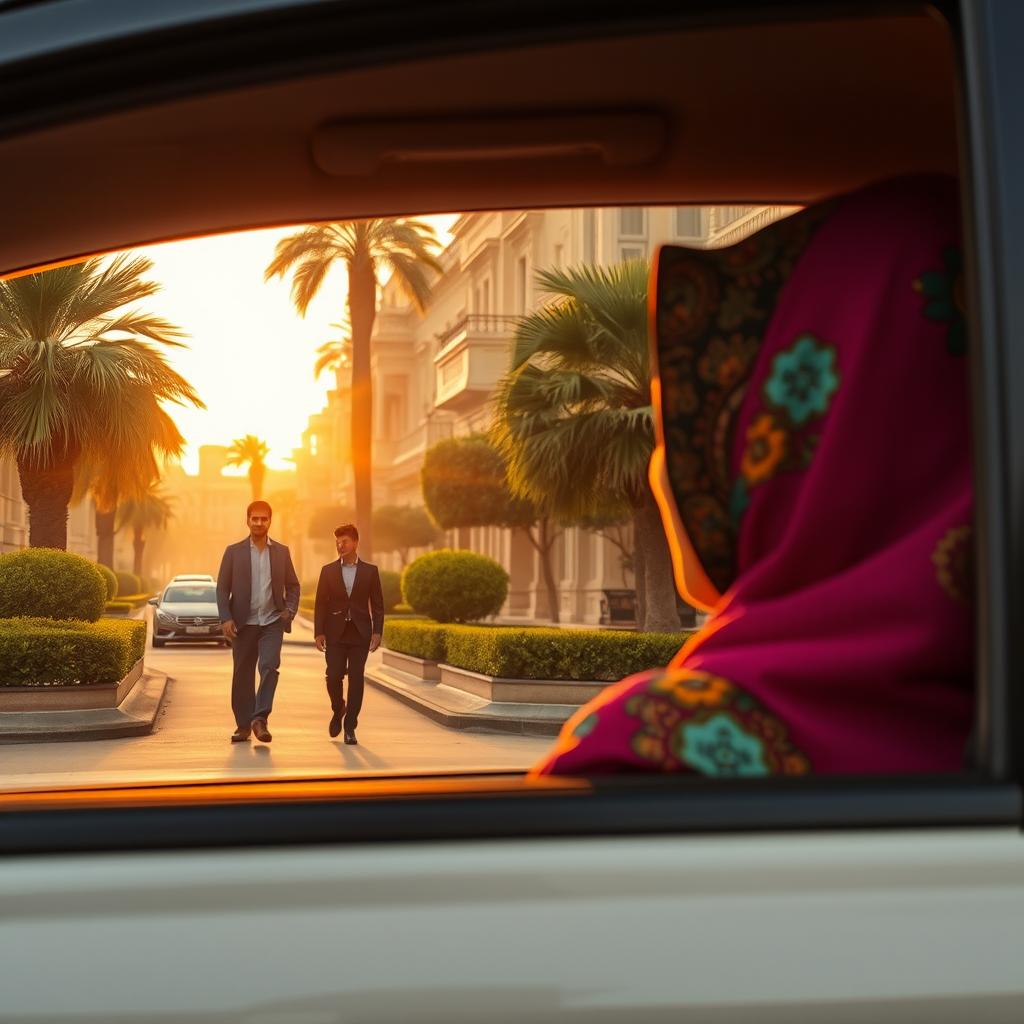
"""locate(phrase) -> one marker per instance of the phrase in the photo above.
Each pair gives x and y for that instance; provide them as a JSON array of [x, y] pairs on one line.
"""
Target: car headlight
[[165, 618]]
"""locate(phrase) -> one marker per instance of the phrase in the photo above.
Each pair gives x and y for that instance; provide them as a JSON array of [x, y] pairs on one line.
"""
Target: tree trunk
[[139, 545], [46, 491], [660, 615], [639, 581], [362, 304], [256, 475], [543, 543], [105, 537]]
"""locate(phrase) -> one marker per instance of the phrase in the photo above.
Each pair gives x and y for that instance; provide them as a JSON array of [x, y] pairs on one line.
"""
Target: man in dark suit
[[257, 598], [348, 620]]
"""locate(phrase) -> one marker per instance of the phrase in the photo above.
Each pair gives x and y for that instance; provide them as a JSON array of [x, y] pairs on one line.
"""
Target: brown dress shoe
[[260, 730], [240, 735]]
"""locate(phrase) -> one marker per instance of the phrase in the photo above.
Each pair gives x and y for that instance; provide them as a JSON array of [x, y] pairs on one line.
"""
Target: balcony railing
[[478, 323]]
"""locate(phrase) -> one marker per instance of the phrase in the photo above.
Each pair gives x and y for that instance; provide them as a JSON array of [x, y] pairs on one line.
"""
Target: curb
[[462, 720], [135, 716]]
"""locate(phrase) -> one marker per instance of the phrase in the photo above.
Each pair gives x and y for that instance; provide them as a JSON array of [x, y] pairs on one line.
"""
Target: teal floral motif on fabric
[[588, 725], [695, 721], [803, 379], [718, 746], [945, 299]]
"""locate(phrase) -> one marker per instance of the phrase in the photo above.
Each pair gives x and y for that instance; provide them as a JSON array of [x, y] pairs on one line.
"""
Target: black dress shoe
[[259, 727], [335, 727], [240, 735], [350, 737]]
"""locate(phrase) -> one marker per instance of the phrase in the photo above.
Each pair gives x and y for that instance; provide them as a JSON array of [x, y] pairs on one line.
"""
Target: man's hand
[[230, 629], [374, 642], [321, 643]]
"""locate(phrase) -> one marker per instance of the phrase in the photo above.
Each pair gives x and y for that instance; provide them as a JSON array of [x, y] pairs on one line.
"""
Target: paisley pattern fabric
[[712, 310], [814, 417]]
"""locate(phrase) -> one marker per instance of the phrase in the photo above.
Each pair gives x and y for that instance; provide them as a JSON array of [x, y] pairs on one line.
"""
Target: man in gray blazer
[[257, 598]]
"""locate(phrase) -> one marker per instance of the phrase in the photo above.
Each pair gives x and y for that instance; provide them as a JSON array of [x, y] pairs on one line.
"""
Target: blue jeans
[[255, 647]]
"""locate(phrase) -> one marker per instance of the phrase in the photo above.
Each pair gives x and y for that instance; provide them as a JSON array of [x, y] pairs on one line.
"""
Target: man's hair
[[253, 505], [348, 530]]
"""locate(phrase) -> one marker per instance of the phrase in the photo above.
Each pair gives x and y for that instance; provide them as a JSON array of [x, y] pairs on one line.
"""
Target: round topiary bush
[[391, 584], [128, 583], [50, 584], [110, 578], [455, 586]]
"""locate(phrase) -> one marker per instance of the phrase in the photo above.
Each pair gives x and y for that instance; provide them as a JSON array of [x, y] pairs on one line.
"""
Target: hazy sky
[[250, 355]]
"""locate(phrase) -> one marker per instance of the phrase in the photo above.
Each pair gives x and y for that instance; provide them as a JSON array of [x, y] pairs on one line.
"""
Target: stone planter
[[521, 691], [428, 671], [70, 698]]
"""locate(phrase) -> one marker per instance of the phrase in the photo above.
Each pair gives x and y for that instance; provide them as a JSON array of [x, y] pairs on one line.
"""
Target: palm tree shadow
[[359, 756]]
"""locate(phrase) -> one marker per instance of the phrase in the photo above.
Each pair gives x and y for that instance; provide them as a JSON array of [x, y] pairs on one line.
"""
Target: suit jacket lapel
[[276, 571], [245, 573]]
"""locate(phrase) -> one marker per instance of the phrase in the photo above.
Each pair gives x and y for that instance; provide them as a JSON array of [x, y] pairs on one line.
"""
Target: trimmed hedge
[[48, 652], [535, 652], [416, 637], [128, 583], [110, 578], [118, 608], [51, 584], [135, 600], [455, 586]]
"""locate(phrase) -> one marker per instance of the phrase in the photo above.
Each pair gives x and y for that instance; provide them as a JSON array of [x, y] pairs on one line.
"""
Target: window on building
[[486, 307], [632, 252], [521, 296], [558, 256], [632, 222], [689, 222]]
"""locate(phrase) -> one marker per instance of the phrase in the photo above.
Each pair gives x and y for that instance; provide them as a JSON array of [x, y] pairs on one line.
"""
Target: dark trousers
[[347, 655], [255, 647]]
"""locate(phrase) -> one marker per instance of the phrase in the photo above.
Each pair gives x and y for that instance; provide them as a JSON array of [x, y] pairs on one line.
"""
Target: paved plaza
[[190, 741]]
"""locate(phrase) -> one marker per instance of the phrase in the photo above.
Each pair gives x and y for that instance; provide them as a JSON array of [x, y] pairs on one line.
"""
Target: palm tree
[[406, 248], [335, 354], [573, 416], [108, 481], [81, 382], [252, 452], [149, 510]]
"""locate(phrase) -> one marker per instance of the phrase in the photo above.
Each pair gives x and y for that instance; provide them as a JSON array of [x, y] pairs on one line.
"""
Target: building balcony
[[397, 453], [474, 354]]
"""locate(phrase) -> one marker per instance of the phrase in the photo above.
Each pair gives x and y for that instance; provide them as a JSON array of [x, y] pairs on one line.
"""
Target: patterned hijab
[[813, 471]]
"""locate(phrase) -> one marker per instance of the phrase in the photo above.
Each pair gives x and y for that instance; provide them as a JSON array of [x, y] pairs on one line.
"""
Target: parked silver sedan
[[187, 610]]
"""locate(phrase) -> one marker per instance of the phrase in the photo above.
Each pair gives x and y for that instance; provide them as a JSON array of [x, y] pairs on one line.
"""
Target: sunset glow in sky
[[250, 355]]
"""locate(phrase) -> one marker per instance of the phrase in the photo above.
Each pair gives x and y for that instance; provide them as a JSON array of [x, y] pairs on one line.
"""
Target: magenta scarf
[[814, 420]]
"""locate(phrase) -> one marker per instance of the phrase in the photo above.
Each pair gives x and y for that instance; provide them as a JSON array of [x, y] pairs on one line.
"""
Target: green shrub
[[128, 583], [455, 586], [110, 578], [419, 639], [391, 584], [50, 652], [403, 609], [534, 652], [118, 608], [52, 584], [135, 600]]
